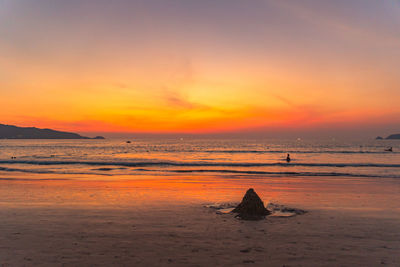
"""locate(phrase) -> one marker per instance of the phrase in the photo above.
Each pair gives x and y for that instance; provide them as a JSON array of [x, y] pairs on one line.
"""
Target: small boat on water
[[390, 149]]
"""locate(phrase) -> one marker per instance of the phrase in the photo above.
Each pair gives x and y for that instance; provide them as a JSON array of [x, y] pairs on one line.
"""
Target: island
[[393, 136], [15, 132]]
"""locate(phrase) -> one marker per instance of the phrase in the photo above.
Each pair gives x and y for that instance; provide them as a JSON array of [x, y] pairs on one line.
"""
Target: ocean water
[[173, 157]]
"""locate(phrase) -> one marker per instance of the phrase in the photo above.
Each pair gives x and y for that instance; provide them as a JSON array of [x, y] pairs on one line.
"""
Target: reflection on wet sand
[[152, 221], [322, 193]]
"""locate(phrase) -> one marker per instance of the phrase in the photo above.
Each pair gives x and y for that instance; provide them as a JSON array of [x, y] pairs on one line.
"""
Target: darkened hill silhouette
[[14, 132], [393, 136]]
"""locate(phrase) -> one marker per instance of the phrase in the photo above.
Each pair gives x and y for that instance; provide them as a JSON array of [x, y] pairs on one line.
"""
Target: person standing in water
[[288, 158]]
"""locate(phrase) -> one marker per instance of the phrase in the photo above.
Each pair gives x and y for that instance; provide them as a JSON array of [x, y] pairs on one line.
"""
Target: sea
[[257, 158]]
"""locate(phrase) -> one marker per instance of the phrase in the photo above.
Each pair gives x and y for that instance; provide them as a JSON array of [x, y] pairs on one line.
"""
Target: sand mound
[[251, 207]]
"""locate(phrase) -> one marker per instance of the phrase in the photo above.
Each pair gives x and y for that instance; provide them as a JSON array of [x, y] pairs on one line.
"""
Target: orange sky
[[131, 66]]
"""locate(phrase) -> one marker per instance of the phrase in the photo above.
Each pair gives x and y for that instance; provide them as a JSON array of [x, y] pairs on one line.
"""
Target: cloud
[[175, 100], [359, 25]]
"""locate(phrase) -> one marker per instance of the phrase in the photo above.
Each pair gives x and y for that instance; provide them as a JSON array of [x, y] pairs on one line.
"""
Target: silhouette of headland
[[393, 136], [14, 132]]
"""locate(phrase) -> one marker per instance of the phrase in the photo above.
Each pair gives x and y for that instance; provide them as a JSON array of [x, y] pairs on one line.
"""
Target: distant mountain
[[14, 132], [393, 136]]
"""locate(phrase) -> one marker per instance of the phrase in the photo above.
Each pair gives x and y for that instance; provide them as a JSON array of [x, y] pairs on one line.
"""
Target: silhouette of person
[[288, 158]]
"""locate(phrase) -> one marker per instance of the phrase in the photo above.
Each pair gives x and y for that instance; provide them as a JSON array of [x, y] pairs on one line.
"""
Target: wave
[[165, 149], [197, 164], [293, 152], [46, 172], [319, 174], [223, 171], [36, 179]]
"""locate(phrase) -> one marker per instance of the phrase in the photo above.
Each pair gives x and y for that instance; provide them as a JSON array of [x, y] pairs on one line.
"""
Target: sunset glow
[[181, 66]]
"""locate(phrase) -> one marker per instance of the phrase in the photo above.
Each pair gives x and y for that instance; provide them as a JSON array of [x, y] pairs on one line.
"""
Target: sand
[[350, 222]]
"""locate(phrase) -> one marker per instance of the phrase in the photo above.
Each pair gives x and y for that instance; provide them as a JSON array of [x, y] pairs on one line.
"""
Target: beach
[[164, 221]]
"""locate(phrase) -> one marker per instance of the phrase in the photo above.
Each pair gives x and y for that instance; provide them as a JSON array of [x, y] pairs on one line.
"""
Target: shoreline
[[163, 222]]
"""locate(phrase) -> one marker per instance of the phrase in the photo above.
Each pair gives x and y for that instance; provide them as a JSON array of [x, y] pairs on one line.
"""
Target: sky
[[198, 67]]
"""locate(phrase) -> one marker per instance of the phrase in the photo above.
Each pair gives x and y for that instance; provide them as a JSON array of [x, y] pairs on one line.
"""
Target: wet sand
[[163, 222]]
